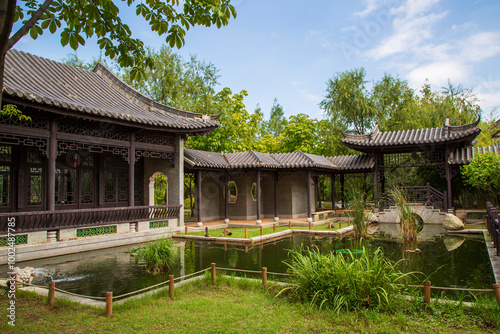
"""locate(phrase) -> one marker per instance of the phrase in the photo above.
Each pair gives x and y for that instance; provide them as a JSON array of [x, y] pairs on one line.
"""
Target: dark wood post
[[198, 195], [342, 195], [496, 290], [258, 195], [131, 170], [318, 189], [427, 292], [52, 292], [448, 182], [226, 203], [309, 211], [332, 181], [212, 272], [51, 168], [171, 286], [375, 181], [109, 304], [276, 195]]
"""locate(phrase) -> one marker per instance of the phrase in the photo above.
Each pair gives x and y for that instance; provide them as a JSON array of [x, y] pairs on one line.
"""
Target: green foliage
[[483, 173], [12, 111], [344, 281], [80, 20], [356, 199], [160, 255], [160, 189]]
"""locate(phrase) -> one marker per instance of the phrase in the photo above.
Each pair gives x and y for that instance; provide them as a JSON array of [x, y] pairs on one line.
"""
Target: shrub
[[160, 255], [344, 281], [356, 199], [407, 219]]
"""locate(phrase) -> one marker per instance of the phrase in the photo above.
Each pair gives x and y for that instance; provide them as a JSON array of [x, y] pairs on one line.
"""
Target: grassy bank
[[236, 306], [254, 232]]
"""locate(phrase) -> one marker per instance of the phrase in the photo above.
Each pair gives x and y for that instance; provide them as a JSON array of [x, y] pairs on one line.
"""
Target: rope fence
[[213, 273]]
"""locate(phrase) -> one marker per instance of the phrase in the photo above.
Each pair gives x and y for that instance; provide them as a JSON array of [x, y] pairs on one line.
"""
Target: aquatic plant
[[359, 221], [408, 220], [160, 255], [344, 281]]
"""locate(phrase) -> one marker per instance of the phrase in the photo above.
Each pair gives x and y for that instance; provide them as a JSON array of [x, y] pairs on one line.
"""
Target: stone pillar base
[[259, 221], [133, 227], [309, 220], [199, 224], [226, 221], [276, 219], [51, 236]]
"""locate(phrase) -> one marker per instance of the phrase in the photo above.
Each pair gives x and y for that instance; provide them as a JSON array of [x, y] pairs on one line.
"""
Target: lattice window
[[160, 224], [109, 189], [34, 123], [87, 186], [414, 159], [88, 161], [34, 156], [5, 153], [156, 140], [92, 231], [20, 239], [122, 187], [94, 129], [35, 186], [4, 185]]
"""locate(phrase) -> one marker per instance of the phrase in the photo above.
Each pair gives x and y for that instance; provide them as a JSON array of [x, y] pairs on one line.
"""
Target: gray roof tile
[[99, 92]]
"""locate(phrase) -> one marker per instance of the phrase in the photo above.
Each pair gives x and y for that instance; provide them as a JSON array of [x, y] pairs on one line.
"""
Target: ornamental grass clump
[[408, 220], [159, 255], [344, 281], [360, 223]]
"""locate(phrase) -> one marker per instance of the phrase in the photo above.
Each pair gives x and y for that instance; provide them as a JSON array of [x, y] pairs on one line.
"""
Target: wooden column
[[258, 196], [375, 180], [381, 173], [342, 192], [226, 203], [318, 187], [309, 211], [333, 198], [276, 196], [198, 195], [131, 170], [449, 198], [51, 170]]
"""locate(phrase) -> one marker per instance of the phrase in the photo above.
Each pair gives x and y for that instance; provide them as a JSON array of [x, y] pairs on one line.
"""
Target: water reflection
[[446, 261]]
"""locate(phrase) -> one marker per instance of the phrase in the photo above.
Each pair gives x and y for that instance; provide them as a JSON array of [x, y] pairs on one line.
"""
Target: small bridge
[[427, 202]]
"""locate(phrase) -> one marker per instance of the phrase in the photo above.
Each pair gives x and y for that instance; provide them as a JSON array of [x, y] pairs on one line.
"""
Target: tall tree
[[347, 102], [84, 19], [277, 120]]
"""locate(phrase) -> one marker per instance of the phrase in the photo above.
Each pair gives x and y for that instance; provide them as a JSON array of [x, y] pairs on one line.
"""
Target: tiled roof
[[99, 93], [462, 156], [353, 162], [251, 159], [400, 139]]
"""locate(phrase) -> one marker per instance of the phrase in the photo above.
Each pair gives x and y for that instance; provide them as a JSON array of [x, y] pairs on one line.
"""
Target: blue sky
[[288, 49]]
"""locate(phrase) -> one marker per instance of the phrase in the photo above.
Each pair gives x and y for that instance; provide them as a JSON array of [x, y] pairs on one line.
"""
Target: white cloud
[[480, 46], [303, 92], [438, 73]]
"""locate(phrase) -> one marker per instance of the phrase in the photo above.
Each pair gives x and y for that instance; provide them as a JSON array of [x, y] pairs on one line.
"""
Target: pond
[[449, 261]]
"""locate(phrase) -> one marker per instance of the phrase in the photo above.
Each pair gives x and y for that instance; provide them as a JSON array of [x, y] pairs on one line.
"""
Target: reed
[[344, 281], [159, 255], [408, 220], [359, 221]]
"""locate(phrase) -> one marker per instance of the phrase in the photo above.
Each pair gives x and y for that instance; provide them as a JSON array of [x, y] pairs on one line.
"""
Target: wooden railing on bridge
[[492, 221], [426, 195], [47, 220]]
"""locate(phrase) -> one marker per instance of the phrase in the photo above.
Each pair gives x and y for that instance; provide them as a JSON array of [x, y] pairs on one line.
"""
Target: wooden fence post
[[290, 225], [246, 233], [225, 232], [52, 293], [309, 225], [348, 221], [330, 226], [261, 230], [186, 230], [212, 265], [340, 224], [274, 227], [109, 304], [427, 292], [496, 290], [264, 277], [171, 286]]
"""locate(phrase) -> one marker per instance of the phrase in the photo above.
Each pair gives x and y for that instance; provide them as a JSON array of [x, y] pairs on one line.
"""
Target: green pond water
[[448, 261]]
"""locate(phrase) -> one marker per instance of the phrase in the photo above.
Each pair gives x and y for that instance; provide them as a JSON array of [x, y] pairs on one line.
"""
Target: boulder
[[452, 222], [452, 242], [372, 217]]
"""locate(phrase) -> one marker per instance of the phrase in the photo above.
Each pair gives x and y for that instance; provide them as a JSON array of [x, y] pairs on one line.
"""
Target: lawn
[[254, 232], [241, 306]]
